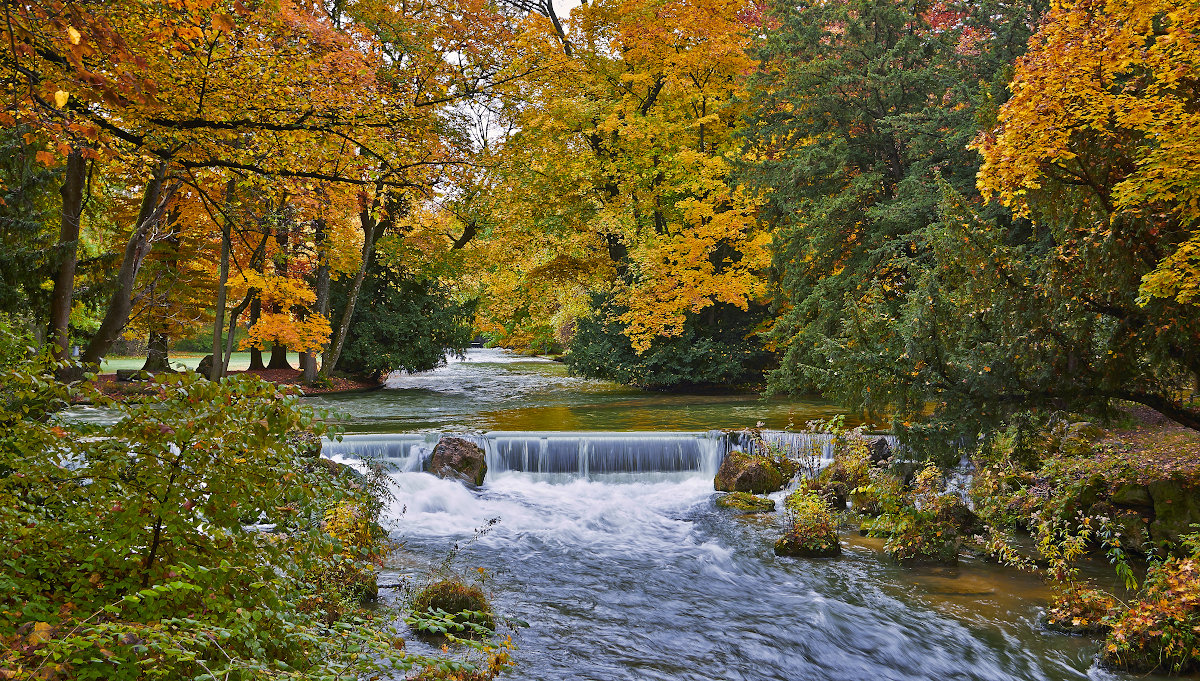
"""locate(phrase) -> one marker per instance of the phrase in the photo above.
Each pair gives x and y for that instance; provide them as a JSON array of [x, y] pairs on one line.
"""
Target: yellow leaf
[[60, 98], [73, 36], [222, 22]]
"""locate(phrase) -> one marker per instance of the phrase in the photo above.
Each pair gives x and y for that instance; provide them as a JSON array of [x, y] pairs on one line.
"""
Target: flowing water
[[491, 389], [609, 546]]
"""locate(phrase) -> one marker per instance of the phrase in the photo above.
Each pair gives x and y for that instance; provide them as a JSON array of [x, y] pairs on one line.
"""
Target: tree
[[857, 135], [616, 174], [1097, 148]]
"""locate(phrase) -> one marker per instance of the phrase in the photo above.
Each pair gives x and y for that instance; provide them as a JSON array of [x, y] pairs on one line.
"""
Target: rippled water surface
[[492, 389], [651, 581]]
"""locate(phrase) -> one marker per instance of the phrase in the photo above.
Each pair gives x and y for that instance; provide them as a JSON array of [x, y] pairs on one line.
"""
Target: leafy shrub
[[915, 525], [1160, 631], [461, 604], [187, 540], [1080, 610], [812, 530]]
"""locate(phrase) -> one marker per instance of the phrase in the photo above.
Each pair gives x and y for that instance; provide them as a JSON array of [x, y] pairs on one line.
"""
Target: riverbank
[[291, 378]]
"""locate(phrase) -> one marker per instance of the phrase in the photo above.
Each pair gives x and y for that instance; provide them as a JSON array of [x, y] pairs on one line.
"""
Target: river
[[637, 575]]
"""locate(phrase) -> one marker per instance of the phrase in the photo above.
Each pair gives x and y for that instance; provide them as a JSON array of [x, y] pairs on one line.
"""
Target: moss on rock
[[745, 502], [741, 472]]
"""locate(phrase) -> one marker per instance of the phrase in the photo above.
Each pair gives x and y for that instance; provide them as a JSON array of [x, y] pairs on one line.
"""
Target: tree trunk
[[136, 249], [322, 291], [156, 358], [256, 360], [68, 248], [370, 225], [279, 358], [220, 363]]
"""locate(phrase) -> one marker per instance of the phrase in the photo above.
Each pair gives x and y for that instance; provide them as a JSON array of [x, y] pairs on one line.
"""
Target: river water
[[637, 575]]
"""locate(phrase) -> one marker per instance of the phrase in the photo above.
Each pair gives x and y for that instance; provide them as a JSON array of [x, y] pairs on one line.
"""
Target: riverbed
[[637, 575]]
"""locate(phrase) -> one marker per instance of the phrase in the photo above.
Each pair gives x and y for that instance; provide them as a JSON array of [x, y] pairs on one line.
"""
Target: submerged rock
[[457, 459], [746, 503], [741, 472], [796, 546]]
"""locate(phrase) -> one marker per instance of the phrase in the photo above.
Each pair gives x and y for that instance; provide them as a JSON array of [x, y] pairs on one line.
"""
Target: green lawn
[[240, 360]]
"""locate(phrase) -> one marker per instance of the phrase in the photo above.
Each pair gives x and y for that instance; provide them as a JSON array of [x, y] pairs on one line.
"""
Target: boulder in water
[[797, 546], [881, 451], [741, 472], [457, 459], [746, 503]]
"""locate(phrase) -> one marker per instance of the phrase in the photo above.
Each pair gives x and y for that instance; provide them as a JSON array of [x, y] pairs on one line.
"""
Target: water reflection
[[492, 389]]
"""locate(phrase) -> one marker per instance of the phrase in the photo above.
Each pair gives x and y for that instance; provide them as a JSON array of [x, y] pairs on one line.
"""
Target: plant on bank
[[187, 540], [1160, 630], [919, 524]]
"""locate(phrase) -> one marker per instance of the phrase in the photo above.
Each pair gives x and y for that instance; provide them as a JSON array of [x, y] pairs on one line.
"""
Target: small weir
[[585, 454]]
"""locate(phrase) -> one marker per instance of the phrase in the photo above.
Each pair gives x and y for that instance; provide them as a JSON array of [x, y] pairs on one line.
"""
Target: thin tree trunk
[[136, 249], [256, 359], [330, 359], [234, 314], [322, 290], [218, 353], [68, 249]]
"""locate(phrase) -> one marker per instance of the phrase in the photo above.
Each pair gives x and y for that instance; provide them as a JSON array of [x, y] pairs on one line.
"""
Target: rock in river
[[457, 459], [741, 472]]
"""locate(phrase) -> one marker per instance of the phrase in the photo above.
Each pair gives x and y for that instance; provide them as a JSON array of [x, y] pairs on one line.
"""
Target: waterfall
[[559, 456]]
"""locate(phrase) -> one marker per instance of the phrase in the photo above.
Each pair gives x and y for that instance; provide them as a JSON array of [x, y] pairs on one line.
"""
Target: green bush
[[914, 523], [402, 323], [812, 530], [191, 539], [713, 350], [462, 604]]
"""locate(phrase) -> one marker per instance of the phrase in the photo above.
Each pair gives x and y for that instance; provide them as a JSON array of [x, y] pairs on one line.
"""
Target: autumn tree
[[617, 171], [1097, 149]]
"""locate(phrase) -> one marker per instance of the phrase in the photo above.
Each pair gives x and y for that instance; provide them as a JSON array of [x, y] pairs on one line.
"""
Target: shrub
[[1161, 630], [812, 531], [915, 525], [462, 604], [188, 539]]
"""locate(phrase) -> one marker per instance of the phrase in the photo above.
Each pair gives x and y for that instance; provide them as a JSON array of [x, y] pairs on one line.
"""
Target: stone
[[1176, 508], [881, 450], [1137, 496], [455, 599], [793, 546], [308, 444], [457, 459], [741, 472], [205, 366], [1085, 430], [746, 503], [960, 516]]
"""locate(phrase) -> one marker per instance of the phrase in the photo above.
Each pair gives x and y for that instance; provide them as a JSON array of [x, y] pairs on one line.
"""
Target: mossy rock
[[794, 546], [741, 472], [746, 503], [1137, 496], [1176, 508], [463, 601], [944, 554]]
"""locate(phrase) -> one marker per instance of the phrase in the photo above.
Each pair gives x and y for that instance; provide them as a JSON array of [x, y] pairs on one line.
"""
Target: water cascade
[[590, 455]]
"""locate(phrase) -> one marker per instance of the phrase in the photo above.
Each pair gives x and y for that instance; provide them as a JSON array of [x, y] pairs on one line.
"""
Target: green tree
[[862, 112], [403, 322]]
